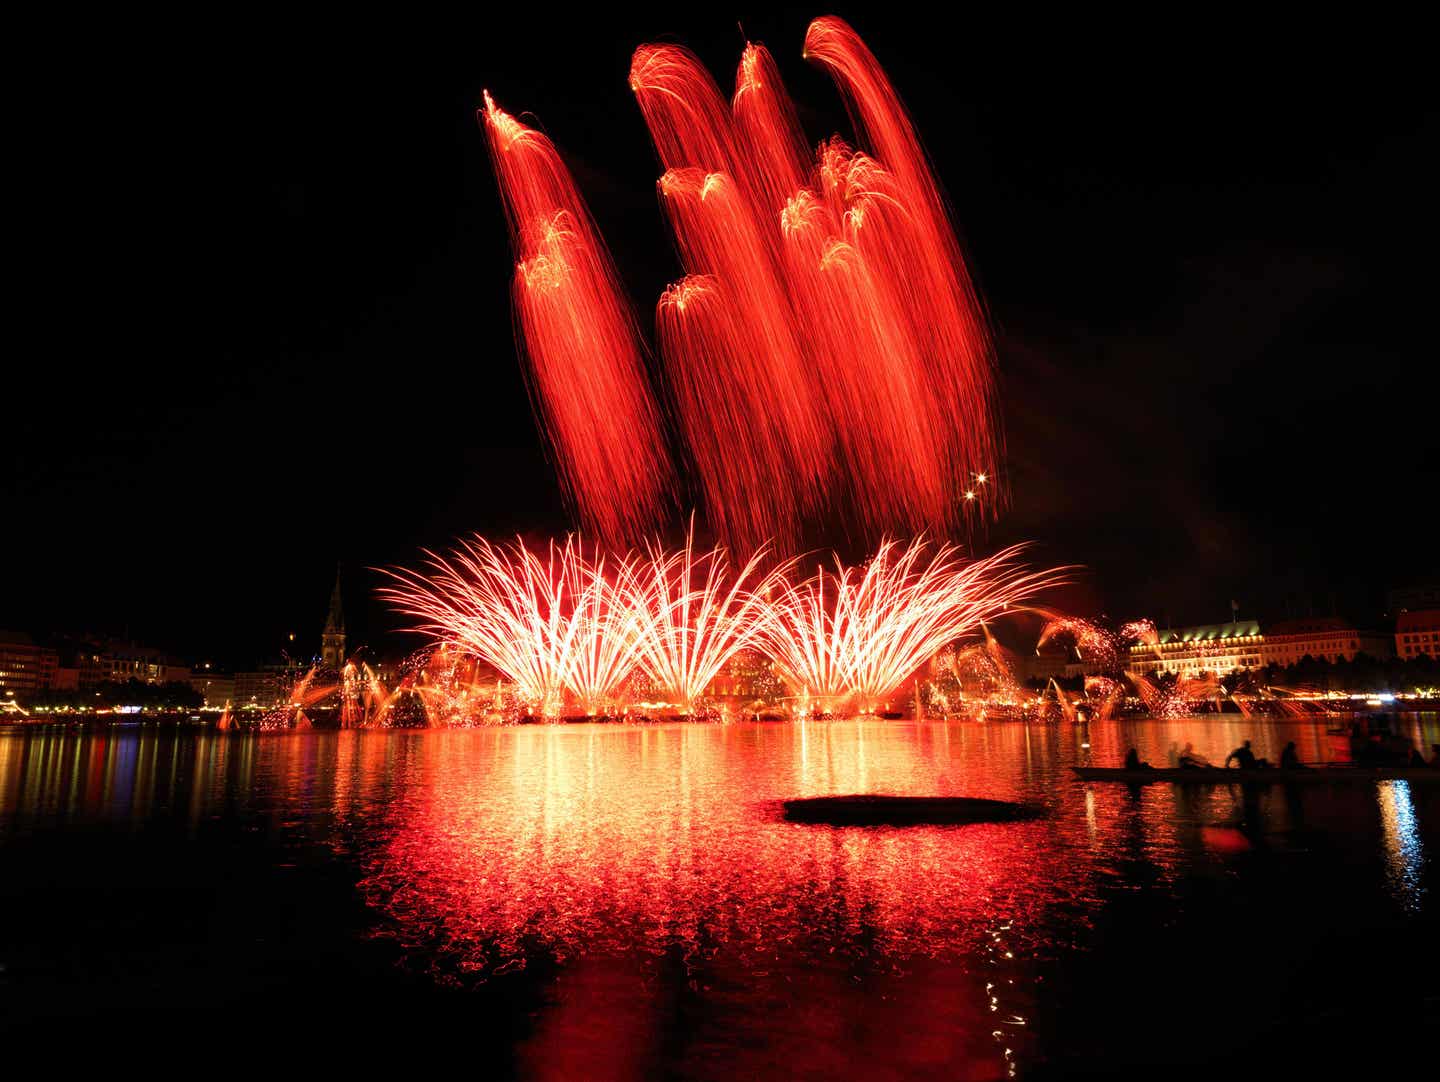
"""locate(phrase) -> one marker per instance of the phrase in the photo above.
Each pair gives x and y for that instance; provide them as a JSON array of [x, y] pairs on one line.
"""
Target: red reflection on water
[[654, 864], [662, 850], [582, 839]]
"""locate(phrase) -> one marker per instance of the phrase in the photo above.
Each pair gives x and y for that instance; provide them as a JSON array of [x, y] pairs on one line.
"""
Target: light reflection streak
[[1404, 854]]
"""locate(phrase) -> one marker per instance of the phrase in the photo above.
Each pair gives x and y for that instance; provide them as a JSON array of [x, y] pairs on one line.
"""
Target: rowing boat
[[1221, 776]]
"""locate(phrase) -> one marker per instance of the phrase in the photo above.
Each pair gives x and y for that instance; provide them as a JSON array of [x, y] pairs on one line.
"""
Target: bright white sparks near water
[[859, 633], [571, 627]]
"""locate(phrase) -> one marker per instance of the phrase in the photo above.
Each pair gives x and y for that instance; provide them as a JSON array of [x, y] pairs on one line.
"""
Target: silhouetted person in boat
[[1290, 758], [1190, 759], [1382, 748], [1359, 743], [1398, 750], [1415, 759], [1134, 762], [1245, 758], [1172, 756], [1365, 748]]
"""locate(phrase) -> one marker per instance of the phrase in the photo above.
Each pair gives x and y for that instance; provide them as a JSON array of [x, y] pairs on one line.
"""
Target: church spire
[[332, 642]]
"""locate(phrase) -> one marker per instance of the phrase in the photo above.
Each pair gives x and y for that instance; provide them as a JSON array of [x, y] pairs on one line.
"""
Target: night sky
[[271, 286]]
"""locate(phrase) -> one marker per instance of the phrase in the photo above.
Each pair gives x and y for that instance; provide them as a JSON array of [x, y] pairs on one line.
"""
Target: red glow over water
[[646, 877]]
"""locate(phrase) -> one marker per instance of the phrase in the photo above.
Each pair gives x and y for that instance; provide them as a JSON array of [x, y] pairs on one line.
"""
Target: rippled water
[[628, 901]]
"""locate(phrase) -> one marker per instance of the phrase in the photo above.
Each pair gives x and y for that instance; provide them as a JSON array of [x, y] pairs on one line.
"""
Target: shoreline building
[[24, 664], [27, 666], [265, 687], [1246, 644], [271, 684], [1050, 663], [1327, 638], [217, 689], [1189, 651], [1417, 634], [120, 662]]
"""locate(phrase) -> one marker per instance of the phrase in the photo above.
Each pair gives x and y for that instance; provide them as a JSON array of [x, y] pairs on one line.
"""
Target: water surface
[[610, 901]]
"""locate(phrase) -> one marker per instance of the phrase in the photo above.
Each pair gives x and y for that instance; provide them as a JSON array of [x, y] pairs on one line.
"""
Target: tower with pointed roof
[[332, 642]]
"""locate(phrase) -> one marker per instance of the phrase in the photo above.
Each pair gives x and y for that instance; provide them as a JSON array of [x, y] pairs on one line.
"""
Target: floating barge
[[883, 810]]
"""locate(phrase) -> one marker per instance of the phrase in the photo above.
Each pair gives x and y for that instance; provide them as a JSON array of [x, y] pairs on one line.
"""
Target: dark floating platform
[[881, 810]]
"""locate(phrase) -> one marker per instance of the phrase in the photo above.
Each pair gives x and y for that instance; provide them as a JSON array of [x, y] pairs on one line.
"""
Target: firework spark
[[442, 687], [1141, 631], [549, 623], [696, 613], [565, 627], [887, 397], [1105, 693], [744, 475], [859, 633], [743, 394], [825, 354], [1178, 699], [1101, 647], [988, 667], [585, 364], [946, 314]]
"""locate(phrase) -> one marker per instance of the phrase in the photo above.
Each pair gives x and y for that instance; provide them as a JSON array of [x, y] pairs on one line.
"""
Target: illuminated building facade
[[120, 663], [24, 665], [1324, 638], [1221, 648], [1417, 634], [218, 689], [747, 676], [263, 688], [1189, 651], [1049, 663]]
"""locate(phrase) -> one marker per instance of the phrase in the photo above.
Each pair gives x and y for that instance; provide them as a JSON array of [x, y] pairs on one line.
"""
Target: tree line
[[175, 695], [1363, 674]]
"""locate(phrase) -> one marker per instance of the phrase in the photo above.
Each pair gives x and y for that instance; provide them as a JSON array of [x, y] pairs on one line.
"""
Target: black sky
[[266, 325]]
